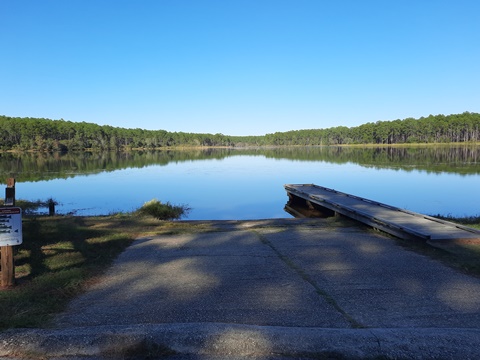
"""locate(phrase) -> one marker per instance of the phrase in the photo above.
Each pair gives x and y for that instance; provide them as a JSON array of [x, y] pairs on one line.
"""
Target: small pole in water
[[51, 207]]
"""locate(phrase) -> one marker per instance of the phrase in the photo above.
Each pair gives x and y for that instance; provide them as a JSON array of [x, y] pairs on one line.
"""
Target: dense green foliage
[[61, 135], [432, 129]]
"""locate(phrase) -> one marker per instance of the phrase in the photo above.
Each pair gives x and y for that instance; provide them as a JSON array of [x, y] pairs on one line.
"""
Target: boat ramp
[[395, 221]]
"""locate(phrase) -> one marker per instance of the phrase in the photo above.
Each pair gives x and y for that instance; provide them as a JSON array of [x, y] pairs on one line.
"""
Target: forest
[[39, 134]]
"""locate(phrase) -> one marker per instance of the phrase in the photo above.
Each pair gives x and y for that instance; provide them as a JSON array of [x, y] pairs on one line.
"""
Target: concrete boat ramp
[[395, 221], [274, 289]]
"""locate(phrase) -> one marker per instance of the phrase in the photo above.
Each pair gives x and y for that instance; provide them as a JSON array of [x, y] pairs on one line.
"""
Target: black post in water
[[51, 207], [10, 192]]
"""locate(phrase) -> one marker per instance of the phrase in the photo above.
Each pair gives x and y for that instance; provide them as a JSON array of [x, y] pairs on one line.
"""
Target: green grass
[[61, 255], [57, 256], [471, 221], [162, 211]]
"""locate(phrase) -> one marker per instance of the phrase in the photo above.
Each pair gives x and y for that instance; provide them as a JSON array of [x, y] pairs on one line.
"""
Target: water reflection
[[248, 184], [44, 166]]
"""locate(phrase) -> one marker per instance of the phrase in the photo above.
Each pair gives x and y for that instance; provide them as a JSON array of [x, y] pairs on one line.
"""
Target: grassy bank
[[61, 255]]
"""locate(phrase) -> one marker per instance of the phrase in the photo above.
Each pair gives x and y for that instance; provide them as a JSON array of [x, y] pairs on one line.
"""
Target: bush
[[32, 207], [165, 211]]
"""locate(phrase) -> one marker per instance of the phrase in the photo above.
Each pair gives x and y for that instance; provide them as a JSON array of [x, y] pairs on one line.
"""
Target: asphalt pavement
[[271, 289]]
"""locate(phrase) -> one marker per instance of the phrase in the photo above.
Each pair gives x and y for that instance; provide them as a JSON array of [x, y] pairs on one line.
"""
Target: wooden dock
[[395, 221]]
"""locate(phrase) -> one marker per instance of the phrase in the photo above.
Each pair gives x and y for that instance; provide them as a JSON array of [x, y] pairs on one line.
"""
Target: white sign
[[10, 226]]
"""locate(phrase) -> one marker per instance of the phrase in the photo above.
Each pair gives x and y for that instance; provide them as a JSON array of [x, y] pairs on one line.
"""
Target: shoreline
[[248, 147]]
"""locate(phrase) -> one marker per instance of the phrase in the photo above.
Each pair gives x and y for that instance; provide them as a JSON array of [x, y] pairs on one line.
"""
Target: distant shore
[[248, 147]]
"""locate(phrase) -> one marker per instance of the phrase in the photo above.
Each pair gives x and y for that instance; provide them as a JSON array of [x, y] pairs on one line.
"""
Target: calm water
[[225, 184]]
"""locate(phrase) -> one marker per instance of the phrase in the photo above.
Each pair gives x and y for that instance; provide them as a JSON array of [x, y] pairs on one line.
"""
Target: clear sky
[[238, 67]]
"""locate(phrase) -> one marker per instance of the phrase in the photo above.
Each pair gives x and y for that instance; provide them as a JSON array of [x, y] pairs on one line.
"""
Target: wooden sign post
[[10, 234], [8, 267]]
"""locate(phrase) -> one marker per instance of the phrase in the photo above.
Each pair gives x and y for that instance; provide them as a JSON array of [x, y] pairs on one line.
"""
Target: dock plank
[[396, 221]]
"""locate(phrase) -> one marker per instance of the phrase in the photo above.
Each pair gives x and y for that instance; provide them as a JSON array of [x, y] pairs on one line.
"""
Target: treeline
[[60, 135], [455, 128]]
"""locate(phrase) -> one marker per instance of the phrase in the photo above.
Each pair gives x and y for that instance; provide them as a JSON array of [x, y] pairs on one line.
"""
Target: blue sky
[[238, 67]]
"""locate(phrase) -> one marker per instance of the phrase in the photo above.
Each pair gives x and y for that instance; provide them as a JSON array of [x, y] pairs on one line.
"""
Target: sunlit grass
[[163, 211]]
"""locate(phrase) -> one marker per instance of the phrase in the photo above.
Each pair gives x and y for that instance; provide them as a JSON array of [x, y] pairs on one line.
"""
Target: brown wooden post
[[7, 264]]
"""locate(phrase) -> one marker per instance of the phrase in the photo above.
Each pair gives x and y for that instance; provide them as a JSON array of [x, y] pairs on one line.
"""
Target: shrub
[[165, 211], [32, 207]]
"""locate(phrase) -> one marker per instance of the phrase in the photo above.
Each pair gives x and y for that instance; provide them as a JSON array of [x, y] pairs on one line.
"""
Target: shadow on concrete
[[281, 287]]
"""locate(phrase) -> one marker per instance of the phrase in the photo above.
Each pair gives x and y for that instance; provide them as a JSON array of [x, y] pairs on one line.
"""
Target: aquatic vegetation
[[162, 211]]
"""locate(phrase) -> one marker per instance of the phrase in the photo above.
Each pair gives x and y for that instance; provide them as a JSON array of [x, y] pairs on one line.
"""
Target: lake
[[248, 183]]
